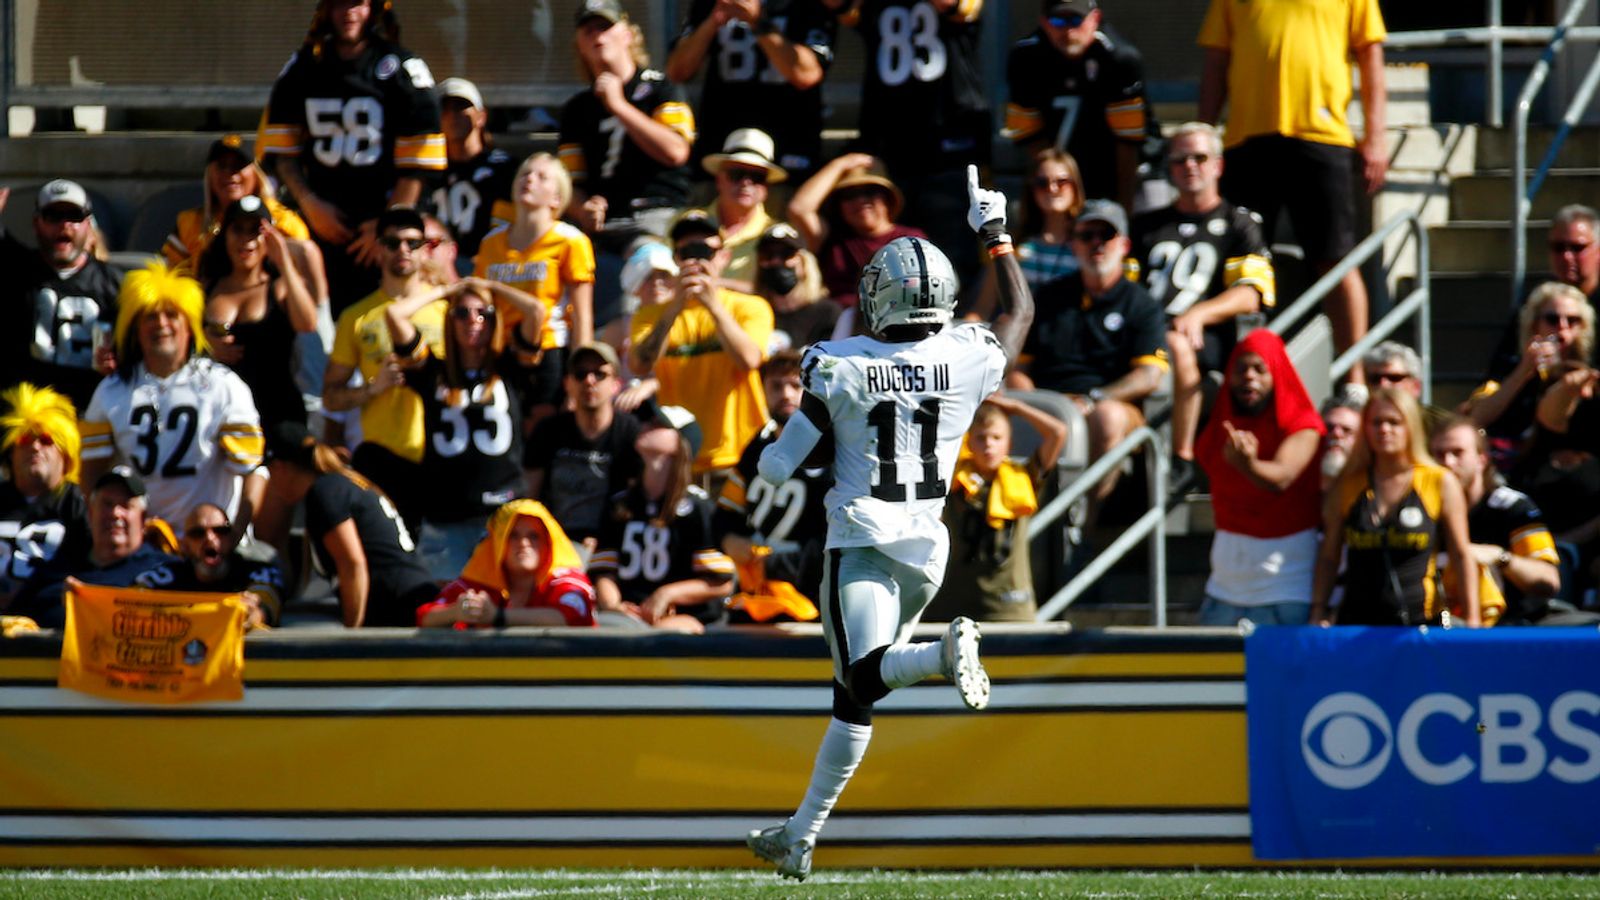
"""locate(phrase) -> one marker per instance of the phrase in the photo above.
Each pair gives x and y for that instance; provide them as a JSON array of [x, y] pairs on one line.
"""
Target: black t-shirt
[[356, 125], [397, 582], [1077, 342], [743, 90], [923, 106], [619, 170], [472, 460], [34, 532], [791, 517], [642, 556], [51, 320], [468, 196], [580, 475], [806, 325], [1099, 98]]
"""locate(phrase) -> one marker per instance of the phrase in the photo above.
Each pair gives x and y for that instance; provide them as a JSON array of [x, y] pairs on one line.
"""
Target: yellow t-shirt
[[392, 420], [560, 258], [1289, 64], [697, 374], [190, 234]]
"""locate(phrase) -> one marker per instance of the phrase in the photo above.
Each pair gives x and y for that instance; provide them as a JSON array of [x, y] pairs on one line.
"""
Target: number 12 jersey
[[899, 412]]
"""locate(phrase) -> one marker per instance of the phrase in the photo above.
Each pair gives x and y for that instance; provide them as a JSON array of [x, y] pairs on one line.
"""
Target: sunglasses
[[737, 174], [390, 242], [57, 215], [1046, 183], [42, 440], [1183, 159], [694, 250], [472, 313], [598, 374], [1093, 235], [1569, 247], [1392, 377], [1557, 320], [200, 531], [1069, 21]]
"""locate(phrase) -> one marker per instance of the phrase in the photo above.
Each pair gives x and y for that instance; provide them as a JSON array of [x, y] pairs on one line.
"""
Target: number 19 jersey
[[899, 412]]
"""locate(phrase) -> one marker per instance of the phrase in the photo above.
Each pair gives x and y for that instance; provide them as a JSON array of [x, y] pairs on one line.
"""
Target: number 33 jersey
[[899, 412], [189, 435]]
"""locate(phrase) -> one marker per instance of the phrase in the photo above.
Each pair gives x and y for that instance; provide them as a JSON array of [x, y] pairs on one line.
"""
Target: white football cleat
[[962, 665], [773, 845]]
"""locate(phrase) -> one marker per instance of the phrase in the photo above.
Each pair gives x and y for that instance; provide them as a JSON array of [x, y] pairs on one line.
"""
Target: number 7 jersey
[[899, 413]]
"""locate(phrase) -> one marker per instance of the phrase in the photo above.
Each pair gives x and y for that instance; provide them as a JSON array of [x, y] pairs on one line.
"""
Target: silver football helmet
[[908, 282]]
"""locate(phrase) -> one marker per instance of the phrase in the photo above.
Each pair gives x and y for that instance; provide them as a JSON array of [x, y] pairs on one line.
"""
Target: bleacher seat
[[153, 221]]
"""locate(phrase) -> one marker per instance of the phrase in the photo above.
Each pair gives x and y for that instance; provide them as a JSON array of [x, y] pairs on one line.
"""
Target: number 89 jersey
[[190, 435], [899, 413]]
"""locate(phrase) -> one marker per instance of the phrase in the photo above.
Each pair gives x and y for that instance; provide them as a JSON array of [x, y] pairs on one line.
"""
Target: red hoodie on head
[[1239, 504]]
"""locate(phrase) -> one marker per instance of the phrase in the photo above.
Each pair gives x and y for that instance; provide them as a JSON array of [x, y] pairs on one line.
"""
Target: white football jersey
[[190, 435], [899, 413]]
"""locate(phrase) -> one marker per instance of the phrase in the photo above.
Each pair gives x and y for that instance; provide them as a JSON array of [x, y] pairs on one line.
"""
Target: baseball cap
[[651, 257], [122, 476], [247, 207], [61, 190], [289, 440], [399, 217], [782, 233], [1069, 7], [610, 10], [680, 420], [695, 221], [598, 348], [1106, 211], [228, 144], [462, 89]]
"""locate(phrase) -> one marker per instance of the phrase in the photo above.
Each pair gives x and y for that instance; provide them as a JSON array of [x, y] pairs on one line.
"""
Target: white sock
[[907, 664], [843, 746]]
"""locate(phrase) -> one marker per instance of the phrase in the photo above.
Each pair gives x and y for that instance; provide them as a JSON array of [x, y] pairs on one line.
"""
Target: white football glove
[[986, 209]]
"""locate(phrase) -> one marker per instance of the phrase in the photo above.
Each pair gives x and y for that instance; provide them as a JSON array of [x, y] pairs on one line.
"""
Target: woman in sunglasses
[[1556, 334], [846, 213], [1044, 242], [258, 297], [472, 411]]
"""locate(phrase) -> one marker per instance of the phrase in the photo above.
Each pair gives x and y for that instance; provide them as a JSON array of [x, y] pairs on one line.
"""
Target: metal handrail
[[1152, 524], [1521, 197], [1373, 244]]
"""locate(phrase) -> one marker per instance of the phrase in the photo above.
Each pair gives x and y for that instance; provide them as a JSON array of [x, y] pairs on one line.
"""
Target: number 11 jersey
[[900, 412]]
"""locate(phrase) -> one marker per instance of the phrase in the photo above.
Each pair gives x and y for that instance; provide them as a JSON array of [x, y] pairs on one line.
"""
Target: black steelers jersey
[[34, 532], [473, 455], [1508, 518], [790, 518], [475, 192], [355, 125], [1084, 105], [642, 556], [260, 576], [51, 339], [603, 160], [743, 90], [1183, 258], [923, 107]]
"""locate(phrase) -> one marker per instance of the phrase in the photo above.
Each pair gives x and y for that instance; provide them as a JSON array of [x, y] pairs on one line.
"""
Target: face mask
[[779, 280]]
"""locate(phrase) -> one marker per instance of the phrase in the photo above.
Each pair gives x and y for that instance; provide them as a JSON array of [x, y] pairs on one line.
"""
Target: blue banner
[[1372, 742]]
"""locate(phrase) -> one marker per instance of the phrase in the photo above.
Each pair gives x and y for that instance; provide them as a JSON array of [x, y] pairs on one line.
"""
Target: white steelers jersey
[[190, 435], [899, 412]]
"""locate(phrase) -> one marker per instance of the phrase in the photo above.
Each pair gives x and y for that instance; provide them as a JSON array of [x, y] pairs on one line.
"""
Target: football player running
[[896, 403]]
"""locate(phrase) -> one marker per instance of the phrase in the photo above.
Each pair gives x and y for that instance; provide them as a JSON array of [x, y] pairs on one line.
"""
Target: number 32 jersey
[[900, 412], [190, 435]]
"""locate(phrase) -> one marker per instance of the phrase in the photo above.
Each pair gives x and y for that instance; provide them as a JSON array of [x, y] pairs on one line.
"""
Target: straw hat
[[747, 147], [869, 177]]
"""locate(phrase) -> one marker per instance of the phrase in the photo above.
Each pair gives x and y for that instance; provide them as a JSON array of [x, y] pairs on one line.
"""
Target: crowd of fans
[[496, 392]]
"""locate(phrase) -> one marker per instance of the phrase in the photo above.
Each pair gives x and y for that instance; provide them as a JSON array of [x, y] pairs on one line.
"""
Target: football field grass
[[506, 884]]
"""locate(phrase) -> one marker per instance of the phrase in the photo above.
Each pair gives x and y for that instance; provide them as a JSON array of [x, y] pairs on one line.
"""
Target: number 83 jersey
[[899, 413], [189, 435]]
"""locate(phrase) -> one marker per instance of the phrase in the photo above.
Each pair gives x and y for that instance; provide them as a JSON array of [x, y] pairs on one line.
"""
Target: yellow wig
[[40, 410], [151, 288]]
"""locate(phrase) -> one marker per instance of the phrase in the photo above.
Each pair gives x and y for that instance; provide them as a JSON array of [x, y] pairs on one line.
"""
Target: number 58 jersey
[[899, 413], [190, 435]]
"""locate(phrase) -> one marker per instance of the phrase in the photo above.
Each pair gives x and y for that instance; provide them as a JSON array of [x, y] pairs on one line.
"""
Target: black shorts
[[1218, 342], [1315, 182]]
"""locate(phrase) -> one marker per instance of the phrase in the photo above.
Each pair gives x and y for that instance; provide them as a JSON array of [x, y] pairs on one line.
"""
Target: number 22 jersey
[[900, 412]]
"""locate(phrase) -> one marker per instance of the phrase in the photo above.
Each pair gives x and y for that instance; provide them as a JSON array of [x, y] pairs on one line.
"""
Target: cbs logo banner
[[1374, 742]]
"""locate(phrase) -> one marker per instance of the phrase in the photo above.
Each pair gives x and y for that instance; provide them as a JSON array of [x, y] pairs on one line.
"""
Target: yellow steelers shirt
[[699, 374], [190, 234], [394, 419], [1289, 64], [560, 258]]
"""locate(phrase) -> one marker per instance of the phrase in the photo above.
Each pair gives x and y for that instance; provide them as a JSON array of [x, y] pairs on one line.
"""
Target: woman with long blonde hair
[[1389, 513]]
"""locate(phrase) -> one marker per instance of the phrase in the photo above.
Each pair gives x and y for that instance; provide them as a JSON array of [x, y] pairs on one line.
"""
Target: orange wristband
[[999, 250]]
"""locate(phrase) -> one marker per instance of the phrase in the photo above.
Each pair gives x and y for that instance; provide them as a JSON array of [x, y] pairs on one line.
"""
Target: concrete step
[[1487, 195], [1581, 149], [1482, 246], [1476, 296], [1462, 351], [1423, 148]]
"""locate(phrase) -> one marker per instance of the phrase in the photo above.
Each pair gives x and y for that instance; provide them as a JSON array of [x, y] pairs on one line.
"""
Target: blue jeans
[[1223, 614], [443, 548]]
